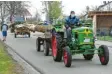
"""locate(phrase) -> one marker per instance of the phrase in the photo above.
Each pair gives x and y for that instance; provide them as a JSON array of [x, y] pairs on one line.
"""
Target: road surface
[[26, 47]]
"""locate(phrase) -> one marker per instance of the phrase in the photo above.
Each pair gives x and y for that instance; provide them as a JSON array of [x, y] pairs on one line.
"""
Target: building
[[102, 18], [102, 21]]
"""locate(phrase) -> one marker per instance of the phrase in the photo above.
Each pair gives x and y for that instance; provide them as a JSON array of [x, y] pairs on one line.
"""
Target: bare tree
[[12, 8], [84, 13], [15, 7], [3, 12]]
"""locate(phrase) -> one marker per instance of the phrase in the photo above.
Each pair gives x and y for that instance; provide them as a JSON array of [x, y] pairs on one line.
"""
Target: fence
[[105, 35]]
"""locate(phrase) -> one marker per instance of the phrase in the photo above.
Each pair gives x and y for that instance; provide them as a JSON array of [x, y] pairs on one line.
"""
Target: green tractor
[[82, 42]]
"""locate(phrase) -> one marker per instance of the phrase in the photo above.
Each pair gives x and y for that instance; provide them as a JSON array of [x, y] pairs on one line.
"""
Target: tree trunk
[[11, 17]]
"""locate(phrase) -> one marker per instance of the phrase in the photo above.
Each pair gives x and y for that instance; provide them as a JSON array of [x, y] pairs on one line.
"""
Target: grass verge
[[105, 38], [7, 64]]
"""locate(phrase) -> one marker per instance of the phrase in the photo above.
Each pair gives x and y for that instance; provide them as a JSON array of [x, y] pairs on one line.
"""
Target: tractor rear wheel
[[56, 49], [103, 54], [67, 56]]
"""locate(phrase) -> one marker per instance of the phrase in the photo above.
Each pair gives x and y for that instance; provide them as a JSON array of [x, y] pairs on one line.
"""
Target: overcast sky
[[77, 5]]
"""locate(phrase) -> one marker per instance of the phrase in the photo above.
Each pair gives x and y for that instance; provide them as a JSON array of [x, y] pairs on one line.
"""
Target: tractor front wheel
[[103, 54], [67, 56]]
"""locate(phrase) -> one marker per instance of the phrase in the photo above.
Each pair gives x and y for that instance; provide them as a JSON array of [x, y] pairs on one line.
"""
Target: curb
[[27, 66]]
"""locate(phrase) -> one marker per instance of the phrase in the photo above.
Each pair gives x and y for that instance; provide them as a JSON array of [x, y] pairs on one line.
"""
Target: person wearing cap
[[70, 21], [4, 29]]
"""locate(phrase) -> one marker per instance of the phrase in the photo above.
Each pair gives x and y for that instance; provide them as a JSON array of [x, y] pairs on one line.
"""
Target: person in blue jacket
[[70, 21]]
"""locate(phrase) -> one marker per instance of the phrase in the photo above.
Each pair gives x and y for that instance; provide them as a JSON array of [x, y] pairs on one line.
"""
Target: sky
[[77, 5]]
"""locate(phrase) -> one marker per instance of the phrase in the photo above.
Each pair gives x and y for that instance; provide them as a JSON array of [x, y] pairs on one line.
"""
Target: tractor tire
[[29, 35], [67, 56], [104, 58], [46, 46], [15, 35], [88, 56], [56, 49], [38, 44]]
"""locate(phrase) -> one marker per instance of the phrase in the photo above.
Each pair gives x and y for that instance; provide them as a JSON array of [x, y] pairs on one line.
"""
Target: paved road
[[26, 48]]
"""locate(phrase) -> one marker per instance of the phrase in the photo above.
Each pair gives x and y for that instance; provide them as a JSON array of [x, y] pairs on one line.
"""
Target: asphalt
[[107, 43], [26, 48]]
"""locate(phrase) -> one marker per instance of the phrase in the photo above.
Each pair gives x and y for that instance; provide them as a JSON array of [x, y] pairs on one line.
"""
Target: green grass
[[105, 38], [6, 62]]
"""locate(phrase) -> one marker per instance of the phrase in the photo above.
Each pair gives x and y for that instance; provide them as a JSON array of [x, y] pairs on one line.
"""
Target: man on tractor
[[70, 21]]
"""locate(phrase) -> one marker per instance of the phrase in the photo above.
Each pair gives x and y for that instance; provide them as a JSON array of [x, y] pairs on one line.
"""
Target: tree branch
[[8, 6]]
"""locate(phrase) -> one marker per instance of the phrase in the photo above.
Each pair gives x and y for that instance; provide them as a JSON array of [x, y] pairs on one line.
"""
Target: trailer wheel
[[15, 35], [29, 35], [38, 44], [46, 46], [103, 54], [67, 56]]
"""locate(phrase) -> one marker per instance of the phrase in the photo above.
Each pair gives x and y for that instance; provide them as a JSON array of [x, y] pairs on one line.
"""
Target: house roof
[[92, 13], [97, 12]]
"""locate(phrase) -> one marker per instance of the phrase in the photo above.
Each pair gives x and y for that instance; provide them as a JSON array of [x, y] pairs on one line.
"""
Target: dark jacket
[[71, 21]]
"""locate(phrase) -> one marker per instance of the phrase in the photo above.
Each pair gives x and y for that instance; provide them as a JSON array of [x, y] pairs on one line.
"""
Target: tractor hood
[[84, 35], [82, 30]]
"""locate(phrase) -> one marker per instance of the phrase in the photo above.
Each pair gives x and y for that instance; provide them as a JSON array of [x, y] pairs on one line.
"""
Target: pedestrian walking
[[4, 29]]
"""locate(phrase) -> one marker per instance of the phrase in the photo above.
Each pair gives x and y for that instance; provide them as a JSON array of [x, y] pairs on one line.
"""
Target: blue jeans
[[4, 33]]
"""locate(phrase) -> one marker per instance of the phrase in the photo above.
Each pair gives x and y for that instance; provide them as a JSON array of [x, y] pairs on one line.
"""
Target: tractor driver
[[70, 21]]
